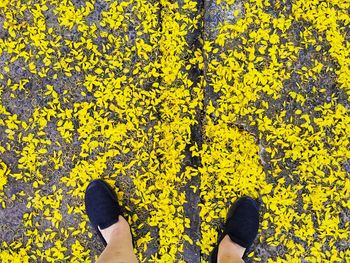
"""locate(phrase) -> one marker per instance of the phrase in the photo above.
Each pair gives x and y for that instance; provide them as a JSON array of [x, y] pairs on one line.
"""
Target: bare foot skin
[[119, 243], [121, 226], [229, 249]]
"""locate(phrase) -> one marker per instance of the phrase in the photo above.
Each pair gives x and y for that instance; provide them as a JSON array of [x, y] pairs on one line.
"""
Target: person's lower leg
[[119, 247], [230, 252]]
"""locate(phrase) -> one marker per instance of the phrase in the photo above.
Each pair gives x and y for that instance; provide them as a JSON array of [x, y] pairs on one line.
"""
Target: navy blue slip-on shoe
[[241, 225], [101, 206]]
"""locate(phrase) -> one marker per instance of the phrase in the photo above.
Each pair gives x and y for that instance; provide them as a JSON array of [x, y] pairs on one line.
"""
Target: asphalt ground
[[182, 106]]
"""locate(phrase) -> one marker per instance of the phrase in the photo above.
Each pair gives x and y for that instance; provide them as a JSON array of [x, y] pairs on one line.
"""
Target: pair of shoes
[[241, 225], [242, 222], [101, 206]]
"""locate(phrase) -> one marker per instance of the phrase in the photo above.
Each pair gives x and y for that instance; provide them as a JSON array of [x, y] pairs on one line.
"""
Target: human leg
[[119, 247]]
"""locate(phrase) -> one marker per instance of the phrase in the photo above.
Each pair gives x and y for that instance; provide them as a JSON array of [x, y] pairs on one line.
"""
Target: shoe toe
[[101, 204], [243, 223], [249, 202]]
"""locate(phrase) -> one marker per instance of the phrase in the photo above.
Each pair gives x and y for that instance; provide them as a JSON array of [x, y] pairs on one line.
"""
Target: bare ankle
[[121, 225], [229, 248]]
